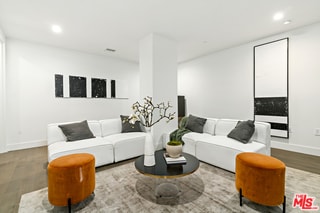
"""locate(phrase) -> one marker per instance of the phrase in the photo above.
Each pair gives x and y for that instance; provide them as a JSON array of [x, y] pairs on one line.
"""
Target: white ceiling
[[199, 26]]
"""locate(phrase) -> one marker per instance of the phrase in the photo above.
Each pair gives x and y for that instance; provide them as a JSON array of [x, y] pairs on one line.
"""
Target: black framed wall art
[[98, 88], [78, 86], [271, 69], [58, 85], [69, 86], [113, 88]]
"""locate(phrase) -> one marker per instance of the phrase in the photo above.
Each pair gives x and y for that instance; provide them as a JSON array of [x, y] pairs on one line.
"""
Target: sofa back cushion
[[110, 126], [224, 126], [55, 134], [209, 126]]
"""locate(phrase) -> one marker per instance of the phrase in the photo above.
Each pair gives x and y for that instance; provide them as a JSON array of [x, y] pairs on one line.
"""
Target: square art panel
[[78, 86], [98, 88]]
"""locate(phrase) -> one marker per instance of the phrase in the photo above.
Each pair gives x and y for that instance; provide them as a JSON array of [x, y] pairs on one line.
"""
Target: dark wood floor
[[309, 163], [21, 172], [24, 171]]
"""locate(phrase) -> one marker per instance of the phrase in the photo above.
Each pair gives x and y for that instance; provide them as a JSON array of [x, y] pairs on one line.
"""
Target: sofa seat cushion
[[221, 151], [125, 137], [230, 143], [190, 141], [101, 148], [127, 145]]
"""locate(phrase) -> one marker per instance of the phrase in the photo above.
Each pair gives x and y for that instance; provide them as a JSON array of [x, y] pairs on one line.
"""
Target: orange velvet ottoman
[[71, 179], [261, 179]]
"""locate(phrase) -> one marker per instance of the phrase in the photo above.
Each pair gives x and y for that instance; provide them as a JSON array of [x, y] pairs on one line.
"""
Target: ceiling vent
[[110, 50]]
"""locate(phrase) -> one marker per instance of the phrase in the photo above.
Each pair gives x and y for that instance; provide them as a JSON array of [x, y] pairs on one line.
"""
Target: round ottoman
[[260, 178], [71, 179]]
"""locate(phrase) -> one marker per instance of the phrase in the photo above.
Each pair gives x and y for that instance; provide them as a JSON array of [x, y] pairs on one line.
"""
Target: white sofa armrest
[[262, 134]]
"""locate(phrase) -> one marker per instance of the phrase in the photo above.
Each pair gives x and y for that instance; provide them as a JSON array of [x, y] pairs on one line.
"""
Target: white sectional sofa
[[214, 147], [108, 146]]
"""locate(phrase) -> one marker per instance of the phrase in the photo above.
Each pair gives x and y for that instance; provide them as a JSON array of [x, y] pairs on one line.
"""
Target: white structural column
[[158, 78], [2, 94]]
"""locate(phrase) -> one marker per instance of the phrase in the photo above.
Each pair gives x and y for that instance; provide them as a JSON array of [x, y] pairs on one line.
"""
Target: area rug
[[209, 189]]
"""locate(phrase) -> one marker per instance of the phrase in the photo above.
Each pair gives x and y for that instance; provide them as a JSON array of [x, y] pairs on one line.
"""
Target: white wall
[[31, 102], [158, 78], [2, 93], [221, 85]]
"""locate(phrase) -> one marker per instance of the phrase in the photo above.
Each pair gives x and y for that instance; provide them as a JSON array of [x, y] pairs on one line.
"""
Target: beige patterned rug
[[209, 189]]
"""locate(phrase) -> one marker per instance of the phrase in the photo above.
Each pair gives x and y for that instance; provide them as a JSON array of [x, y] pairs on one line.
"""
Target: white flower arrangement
[[144, 113]]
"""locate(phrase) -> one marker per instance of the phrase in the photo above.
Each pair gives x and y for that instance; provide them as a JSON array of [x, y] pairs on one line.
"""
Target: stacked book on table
[[178, 160]]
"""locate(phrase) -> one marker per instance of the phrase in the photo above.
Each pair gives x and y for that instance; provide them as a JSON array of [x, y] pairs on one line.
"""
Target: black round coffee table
[[162, 170]]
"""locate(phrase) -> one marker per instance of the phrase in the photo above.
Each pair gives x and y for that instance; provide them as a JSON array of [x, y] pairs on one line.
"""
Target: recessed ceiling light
[[278, 16], [56, 29], [287, 22]]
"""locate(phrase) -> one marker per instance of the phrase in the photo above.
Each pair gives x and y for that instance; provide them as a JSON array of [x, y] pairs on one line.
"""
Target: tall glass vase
[[149, 159]]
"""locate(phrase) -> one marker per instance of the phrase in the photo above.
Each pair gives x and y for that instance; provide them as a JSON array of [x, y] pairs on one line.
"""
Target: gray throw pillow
[[195, 124], [76, 131], [243, 131], [128, 127]]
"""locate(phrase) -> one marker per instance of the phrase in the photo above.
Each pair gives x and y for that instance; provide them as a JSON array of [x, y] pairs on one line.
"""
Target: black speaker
[[181, 106], [113, 88]]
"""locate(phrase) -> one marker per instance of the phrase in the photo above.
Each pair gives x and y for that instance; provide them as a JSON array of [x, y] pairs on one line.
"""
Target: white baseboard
[[296, 148], [26, 145]]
